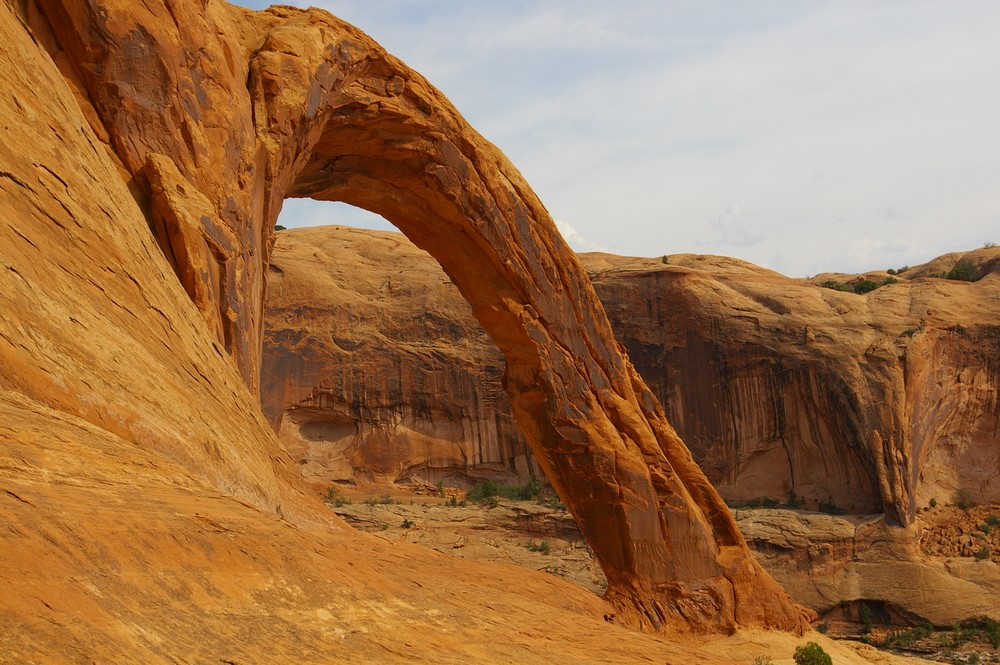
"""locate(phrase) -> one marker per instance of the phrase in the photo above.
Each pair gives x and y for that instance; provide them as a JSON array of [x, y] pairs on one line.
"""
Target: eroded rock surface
[[868, 403], [147, 152], [375, 369], [773, 380]]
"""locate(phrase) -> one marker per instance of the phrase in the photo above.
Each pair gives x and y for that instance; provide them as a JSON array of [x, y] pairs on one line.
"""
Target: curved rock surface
[[189, 121]]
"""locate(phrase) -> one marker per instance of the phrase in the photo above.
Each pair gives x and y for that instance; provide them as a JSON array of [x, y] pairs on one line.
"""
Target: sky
[[805, 136]]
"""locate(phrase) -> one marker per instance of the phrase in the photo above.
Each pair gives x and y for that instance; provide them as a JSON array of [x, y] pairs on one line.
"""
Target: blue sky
[[802, 135]]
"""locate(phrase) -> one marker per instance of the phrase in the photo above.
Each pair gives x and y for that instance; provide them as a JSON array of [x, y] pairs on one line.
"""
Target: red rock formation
[[233, 111], [384, 371], [778, 386]]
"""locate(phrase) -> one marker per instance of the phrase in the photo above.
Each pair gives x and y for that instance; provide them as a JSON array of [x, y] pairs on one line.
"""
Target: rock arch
[[227, 112]]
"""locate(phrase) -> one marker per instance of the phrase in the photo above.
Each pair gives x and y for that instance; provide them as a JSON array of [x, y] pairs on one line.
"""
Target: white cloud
[[831, 122], [577, 241], [731, 230]]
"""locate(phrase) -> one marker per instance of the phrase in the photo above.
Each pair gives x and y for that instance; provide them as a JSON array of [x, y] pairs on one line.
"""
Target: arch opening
[[373, 369]]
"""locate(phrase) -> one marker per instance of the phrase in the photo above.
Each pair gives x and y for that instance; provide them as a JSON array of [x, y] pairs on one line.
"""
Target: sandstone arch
[[234, 110]]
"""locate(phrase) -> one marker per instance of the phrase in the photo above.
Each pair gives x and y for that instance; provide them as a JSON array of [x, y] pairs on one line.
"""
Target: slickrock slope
[[389, 375], [145, 150]]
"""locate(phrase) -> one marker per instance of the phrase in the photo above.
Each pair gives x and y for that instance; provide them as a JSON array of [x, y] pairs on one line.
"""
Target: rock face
[[142, 179], [774, 382], [375, 369], [873, 403], [876, 402], [829, 562]]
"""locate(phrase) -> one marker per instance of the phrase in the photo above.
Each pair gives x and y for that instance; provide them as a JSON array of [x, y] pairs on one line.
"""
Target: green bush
[[963, 499], [836, 286], [984, 553], [993, 520], [933, 503], [542, 547], [993, 632], [484, 490], [830, 508], [908, 637], [406, 524], [963, 271], [759, 502], [865, 615], [865, 286], [812, 654]]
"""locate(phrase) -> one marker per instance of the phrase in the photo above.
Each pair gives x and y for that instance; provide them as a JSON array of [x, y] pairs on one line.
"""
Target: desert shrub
[[865, 615], [830, 508], [279, 227], [406, 524], [993, 520], [988, 245], [759, 502], [958, 636], [793, 501], [551, 502], [484, 490], [984, 553], [542, 547], [865, 286], [823, 627], [963, 271], [665, 260], [762, 660], [908, 637], [933, 503], [812, 654], [334, 499], [963, 499], [440, 488], [992, 629], [836, 286]]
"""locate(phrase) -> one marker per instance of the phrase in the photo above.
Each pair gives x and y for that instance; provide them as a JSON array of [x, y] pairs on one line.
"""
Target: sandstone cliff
[[144, 154], [871, 403], [375, 369]]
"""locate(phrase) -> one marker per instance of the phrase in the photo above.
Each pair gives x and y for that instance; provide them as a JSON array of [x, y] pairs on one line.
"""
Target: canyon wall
[[866, 403], [375, 369]]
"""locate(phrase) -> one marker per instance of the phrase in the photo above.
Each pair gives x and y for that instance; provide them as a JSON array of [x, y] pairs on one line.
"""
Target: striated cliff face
[[375, 369], [146, 149], [876, 403]]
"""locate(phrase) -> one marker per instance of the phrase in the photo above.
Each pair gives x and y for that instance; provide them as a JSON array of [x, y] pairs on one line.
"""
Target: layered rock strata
[[865, 403], [187, 122], [375, 370]]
